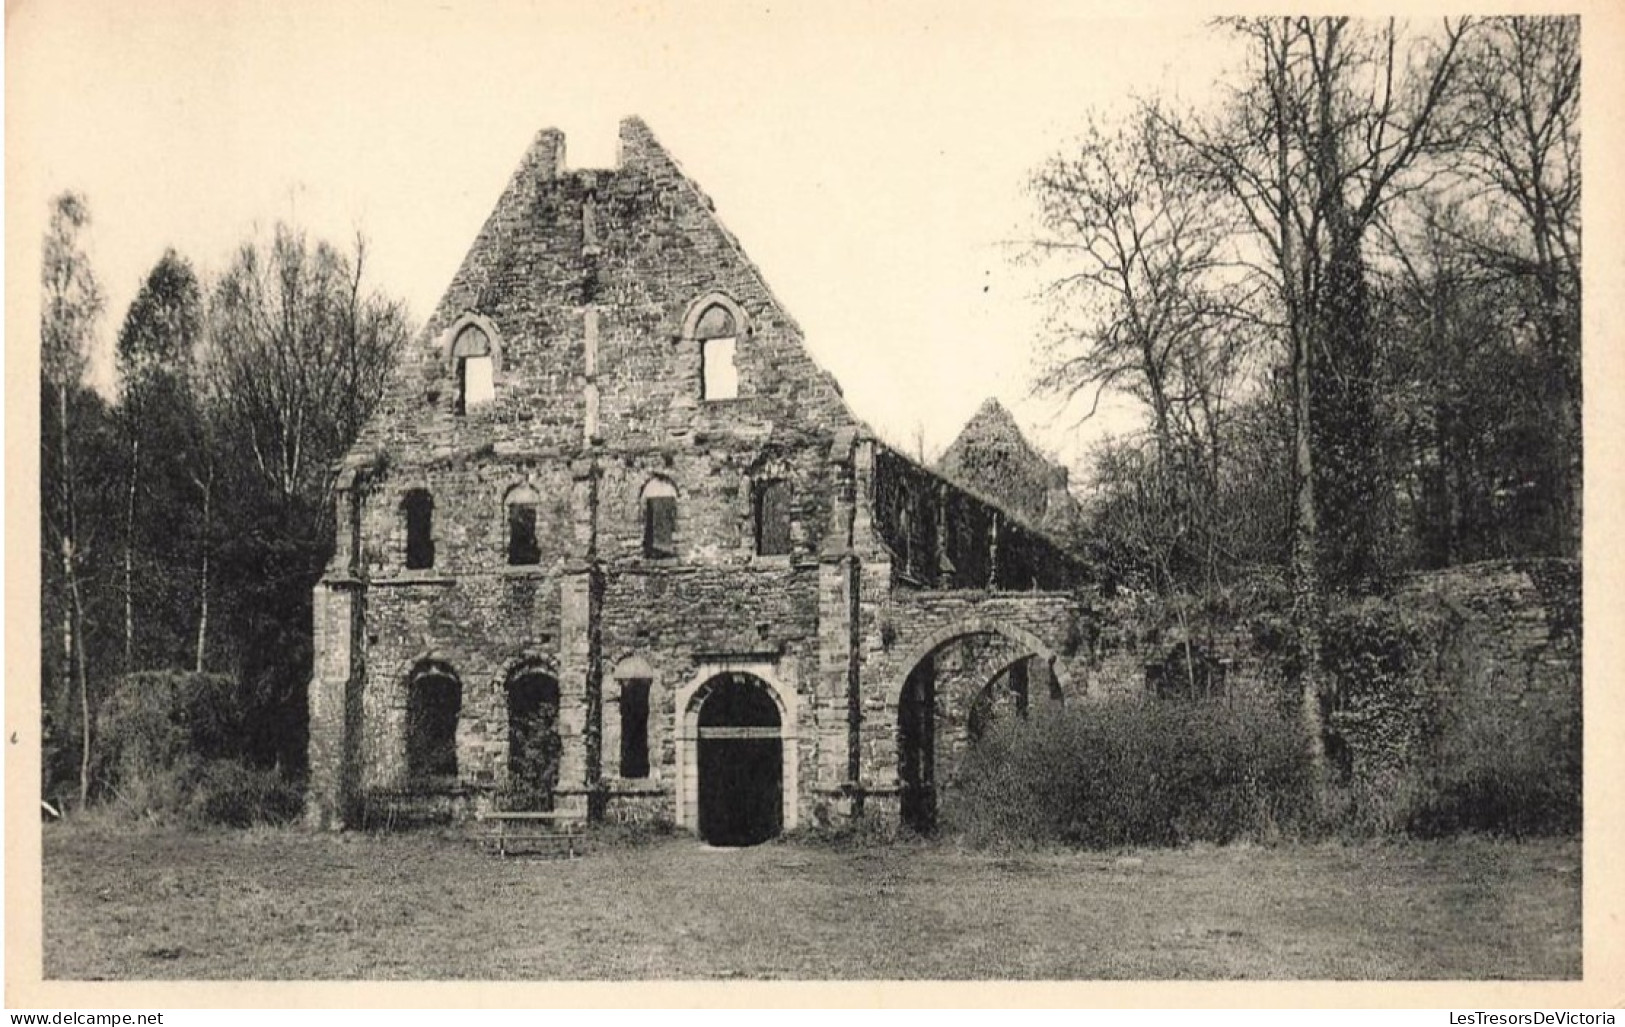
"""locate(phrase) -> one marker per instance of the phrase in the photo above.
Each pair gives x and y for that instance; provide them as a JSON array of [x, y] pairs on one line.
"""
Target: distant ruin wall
[[1496, 644]]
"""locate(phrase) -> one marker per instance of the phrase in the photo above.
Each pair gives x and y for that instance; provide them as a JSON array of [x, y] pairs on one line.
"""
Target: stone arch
[[659, 484], [932, 723], [692, 696], [521, 660], [697, 309], [520, 492], [979, 626], [443, 660], [448, 338], [984, 705]]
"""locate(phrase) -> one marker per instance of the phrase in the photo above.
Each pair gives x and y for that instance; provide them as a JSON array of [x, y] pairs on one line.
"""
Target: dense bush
[[1509, 775], [1132, 773], [533, 770], [171, 747]]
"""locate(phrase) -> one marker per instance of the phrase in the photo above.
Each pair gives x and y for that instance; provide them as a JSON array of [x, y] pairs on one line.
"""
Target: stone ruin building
[[614, 545]]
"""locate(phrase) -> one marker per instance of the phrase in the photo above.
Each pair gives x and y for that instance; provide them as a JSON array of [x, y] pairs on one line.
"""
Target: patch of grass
[[280, 904]]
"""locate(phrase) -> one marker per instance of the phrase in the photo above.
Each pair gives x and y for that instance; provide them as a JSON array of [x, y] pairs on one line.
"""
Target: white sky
[[870, 159]]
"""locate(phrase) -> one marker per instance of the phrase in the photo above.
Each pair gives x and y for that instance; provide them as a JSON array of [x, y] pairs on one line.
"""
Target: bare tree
[[1139, 303], [1520, 109], [1331, 124], [298, 351], [71, 304]]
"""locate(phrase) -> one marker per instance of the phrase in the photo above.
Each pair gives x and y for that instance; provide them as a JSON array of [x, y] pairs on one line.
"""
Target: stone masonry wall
[[583, 280], [588, 285], [1511, 652]]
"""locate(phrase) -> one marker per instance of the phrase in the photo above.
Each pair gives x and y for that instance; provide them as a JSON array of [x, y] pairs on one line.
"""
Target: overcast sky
[[871, 161]]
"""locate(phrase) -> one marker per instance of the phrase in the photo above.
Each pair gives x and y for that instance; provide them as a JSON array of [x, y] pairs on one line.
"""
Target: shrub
[[154, 718], [170, 750], [232, 793], [1130, 772], [1509, 775]]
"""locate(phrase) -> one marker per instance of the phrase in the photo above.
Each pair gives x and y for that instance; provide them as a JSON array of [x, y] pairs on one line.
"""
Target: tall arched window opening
[[772, 517], [434, 701], [476, 372], [718, 336], [635, 727]]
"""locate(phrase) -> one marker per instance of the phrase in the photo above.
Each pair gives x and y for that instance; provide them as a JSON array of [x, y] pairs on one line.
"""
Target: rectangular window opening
[[660, 526], [773, 519], [475, 382], [419, 509], [721, 377], [635, 728], [523, 549]]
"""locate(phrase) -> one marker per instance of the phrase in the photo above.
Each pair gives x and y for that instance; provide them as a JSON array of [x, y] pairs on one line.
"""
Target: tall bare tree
[[1520, 110], [298, 350], [71, 303], [1332, 123]]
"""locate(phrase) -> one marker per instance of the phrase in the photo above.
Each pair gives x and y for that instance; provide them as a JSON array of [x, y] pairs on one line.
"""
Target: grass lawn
[[148, 904]]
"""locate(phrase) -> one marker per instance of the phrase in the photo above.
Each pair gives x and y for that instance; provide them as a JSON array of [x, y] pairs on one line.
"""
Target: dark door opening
[[533, 742], [741, 764], [917, 747]]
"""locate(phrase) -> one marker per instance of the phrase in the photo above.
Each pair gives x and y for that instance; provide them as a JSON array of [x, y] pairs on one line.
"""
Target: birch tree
[[71, 303]]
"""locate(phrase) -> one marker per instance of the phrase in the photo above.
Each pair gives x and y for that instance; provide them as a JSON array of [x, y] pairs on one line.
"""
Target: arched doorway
[[740, 762], [959, 680]]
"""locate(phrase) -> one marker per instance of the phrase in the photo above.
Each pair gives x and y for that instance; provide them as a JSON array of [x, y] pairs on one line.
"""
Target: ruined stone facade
[[613, 544], [992, 457]]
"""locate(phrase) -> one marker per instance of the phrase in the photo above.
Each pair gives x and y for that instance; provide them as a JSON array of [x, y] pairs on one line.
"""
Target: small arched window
[[718, 336], [524, 548], [659, 518], [471, 354], [418, 510]]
